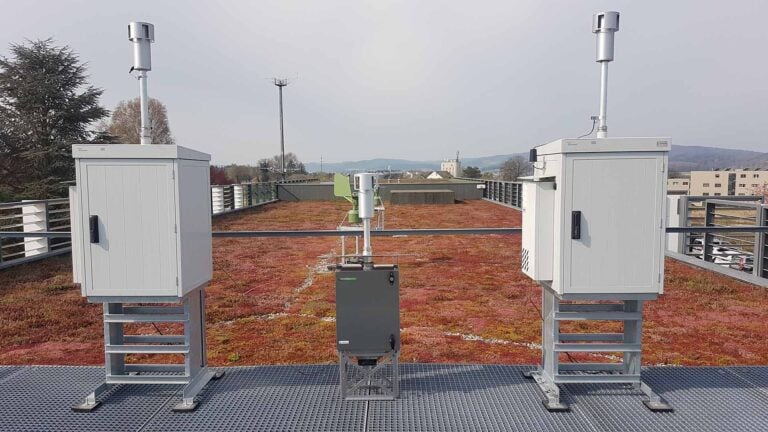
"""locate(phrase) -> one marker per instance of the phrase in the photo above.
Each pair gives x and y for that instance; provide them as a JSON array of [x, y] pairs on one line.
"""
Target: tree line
[[46, 105], [512, 169], [266, 170]]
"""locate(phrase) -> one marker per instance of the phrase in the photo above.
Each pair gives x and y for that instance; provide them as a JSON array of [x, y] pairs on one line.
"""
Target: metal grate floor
[[434, 397]]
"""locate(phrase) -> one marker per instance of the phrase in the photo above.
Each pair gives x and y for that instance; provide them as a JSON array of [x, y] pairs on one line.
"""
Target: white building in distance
[[452, 166]]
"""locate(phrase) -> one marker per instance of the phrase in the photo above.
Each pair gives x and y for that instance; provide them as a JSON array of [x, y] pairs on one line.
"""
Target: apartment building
[[730, 181], [752, 182], [712, 183], [678, 186]]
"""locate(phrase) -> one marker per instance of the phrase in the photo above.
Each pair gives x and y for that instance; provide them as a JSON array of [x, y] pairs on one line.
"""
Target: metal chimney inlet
[[142, 34], [604, 24]]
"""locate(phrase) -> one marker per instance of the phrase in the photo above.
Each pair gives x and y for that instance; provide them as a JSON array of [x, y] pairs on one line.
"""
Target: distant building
[[678, 186], [453, 166], [713, 183], [729, 181], [440, 175], [751, 182]]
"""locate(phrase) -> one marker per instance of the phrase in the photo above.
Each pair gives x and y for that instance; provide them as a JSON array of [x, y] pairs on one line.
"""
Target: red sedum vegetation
[[463, 298]]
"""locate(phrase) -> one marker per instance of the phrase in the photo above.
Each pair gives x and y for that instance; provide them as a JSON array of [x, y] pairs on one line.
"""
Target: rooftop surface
[[470, 319], [463, 298], [434, 397]]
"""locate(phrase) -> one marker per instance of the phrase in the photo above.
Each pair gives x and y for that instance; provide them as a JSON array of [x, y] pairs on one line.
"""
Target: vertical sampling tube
[[367, 250], [364, 184], [602, 127], [604, 25], [146, 128], [142, 34]]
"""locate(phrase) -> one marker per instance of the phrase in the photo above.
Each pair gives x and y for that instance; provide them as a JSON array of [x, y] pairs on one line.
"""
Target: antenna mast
[[280, 83]]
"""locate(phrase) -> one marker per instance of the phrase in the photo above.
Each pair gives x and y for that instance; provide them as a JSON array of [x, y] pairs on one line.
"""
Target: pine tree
[[46, 104]]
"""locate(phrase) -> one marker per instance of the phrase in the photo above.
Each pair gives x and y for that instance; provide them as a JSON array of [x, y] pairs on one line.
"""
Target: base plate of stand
[[85, 407], [660, 406], [556, 406], [182, 407]]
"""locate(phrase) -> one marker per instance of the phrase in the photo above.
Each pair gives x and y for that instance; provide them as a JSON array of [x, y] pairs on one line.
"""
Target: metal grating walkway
[[435, 397]]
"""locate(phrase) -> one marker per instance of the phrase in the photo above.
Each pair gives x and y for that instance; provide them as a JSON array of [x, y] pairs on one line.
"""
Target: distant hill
[[484, 163], [693, 158], [681, 158]]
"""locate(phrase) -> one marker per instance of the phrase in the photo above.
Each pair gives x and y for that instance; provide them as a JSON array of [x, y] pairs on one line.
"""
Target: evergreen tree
[[472, 172], [46, 104]]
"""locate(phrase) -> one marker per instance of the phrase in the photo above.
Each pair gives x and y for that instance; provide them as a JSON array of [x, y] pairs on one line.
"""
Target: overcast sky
[[421, 79]]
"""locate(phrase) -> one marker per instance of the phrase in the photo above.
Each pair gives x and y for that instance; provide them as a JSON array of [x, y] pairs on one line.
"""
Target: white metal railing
[[743, 252], [504, 192], [227, 198], [52, 215], [32, 216]]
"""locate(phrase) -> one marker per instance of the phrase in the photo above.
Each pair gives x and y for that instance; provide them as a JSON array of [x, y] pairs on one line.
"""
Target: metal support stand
[[193, 373], [552, 372], [373, 378]]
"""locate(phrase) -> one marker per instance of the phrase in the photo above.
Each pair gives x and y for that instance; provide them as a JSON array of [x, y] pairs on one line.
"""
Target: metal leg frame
[[386, 389], [551, 372], [194, 373], [92, 400]]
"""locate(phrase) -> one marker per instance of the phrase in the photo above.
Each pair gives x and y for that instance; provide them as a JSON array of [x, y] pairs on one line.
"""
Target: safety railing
[[40, 216], [228, 198], [733, 252], [33, 216], [505, 192]]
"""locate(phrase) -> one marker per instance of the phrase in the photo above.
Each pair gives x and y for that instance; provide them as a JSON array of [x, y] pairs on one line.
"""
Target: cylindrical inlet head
[[142, 34], [605, 24], [364, 185]]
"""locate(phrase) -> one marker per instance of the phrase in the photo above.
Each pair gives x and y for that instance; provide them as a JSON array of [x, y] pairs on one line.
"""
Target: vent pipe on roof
[[142, 34], [604, 24]]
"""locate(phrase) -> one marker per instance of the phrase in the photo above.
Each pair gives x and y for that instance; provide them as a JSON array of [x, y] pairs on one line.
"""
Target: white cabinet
[[144, 219], [608, 215], [536, 257]]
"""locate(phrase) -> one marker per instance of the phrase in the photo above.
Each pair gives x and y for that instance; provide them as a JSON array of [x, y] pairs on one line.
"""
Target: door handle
[[93, 228], [576, 224]]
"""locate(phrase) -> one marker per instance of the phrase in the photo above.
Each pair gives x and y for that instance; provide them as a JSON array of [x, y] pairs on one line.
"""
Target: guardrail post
[[709, 216], [217, 199], [760, 254], [35, 218], [674, 219], [238, 197], [685, 239]]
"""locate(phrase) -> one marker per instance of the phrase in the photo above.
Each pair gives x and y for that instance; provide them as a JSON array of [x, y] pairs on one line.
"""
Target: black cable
[[157, 328], [591, 130], [541, 316]]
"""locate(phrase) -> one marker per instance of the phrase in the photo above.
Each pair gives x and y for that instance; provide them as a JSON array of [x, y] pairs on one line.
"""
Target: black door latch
[[93, 228], [575, 224]]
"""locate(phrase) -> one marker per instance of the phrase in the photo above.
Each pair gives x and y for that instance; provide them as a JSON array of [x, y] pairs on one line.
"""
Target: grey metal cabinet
[[144, 221], [605, 233]]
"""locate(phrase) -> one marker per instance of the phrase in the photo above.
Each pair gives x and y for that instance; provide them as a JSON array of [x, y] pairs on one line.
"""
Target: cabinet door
[[612, 223], [132, 205]]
